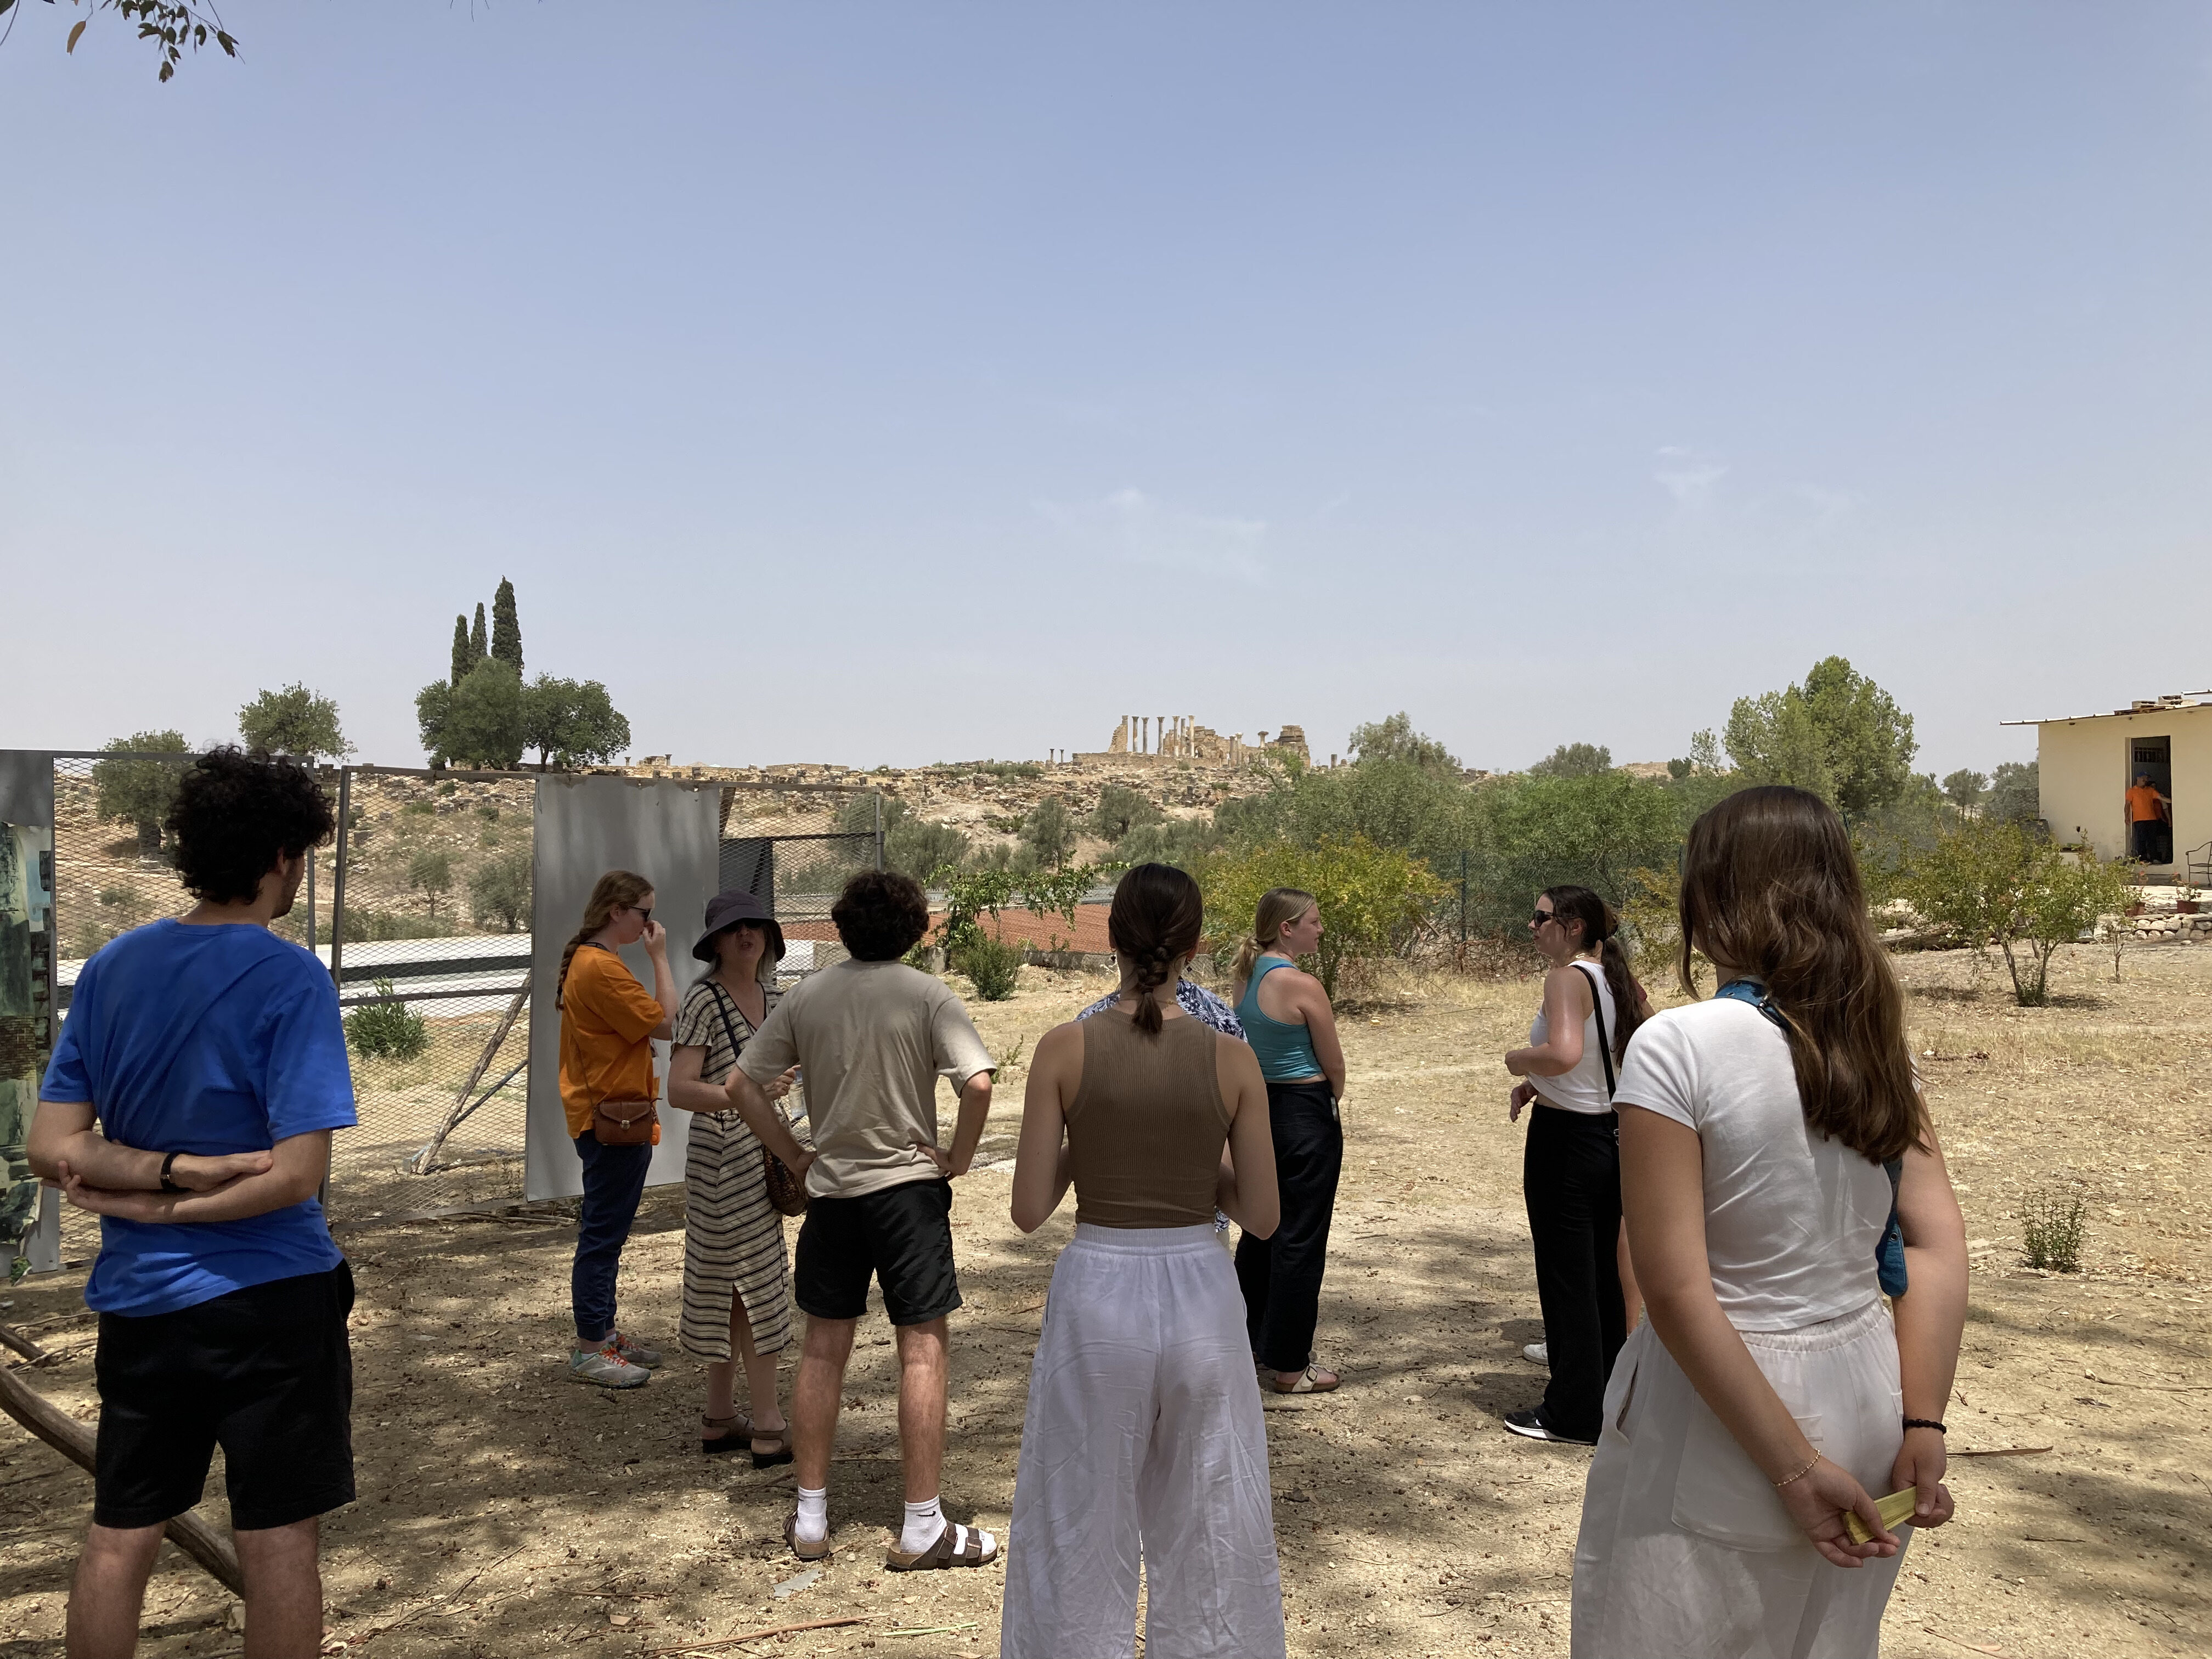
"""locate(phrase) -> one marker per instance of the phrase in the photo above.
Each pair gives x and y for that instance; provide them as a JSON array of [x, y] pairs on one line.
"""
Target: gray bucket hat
[[726, 911]]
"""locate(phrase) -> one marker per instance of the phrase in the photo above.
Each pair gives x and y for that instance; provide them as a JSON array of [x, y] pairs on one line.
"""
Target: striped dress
[[733, 1237]]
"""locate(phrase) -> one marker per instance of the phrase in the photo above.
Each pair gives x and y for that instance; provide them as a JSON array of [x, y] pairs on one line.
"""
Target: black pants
[[1280, 1276], [1571, 1178]]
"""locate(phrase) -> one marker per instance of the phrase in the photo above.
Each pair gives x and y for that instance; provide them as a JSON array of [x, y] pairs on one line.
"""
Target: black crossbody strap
[[723, 1002], [1604, 1042]]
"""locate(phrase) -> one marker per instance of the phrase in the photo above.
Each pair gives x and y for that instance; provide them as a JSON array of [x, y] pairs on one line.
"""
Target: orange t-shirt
[[2142, 804], [606, 1022]]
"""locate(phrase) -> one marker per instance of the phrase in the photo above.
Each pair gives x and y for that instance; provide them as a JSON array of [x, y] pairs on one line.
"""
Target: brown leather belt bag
[[624, 1122]]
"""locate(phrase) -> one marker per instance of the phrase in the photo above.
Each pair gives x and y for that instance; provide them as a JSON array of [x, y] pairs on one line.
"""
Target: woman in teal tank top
[[1292, 1031]]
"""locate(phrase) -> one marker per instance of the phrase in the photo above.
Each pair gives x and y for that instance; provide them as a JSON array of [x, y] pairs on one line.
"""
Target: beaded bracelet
[[1800, 1475], [1924, 1423]]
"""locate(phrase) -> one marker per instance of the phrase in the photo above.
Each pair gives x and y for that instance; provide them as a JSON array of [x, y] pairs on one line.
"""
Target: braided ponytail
[[1156, 921]]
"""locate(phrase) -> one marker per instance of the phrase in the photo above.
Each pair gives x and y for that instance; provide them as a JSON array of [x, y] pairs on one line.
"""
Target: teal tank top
[[1285, 1052]]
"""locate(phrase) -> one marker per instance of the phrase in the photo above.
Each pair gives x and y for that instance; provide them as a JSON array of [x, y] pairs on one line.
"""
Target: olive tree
[[293, 721], [138, 793], [2002, 884]]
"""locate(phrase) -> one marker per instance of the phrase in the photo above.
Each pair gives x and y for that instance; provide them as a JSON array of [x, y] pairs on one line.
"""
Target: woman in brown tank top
[[1144, 1437]]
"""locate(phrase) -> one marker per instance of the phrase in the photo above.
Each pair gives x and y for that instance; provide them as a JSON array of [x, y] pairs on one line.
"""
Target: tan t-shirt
[[873, 1037]]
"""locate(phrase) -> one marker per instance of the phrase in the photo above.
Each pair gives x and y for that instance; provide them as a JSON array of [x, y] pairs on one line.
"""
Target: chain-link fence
[[794, 846], [430, 942], [421, 906]]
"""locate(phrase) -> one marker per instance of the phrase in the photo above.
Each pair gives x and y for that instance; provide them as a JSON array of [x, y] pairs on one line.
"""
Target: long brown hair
[[1770, 887], [612, 891], [1602, 933], [1279, 906], [1157, 916]]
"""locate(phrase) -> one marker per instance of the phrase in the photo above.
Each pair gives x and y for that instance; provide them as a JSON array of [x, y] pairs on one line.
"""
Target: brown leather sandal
[[971, 1553], [818, 1550], [739, 1432]]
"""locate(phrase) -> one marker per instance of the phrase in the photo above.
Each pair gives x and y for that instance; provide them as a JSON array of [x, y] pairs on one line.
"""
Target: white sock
[[924, 1520], [813, 1514]]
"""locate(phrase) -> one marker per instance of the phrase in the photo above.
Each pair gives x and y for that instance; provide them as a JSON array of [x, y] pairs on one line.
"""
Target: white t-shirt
[[1582, 1089], [1791, 1217]]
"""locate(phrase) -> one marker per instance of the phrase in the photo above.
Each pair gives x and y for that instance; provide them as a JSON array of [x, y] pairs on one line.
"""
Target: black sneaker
[[1531, 1422]]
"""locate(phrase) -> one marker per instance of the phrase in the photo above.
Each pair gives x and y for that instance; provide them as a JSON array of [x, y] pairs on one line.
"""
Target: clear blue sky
[[900, 382]]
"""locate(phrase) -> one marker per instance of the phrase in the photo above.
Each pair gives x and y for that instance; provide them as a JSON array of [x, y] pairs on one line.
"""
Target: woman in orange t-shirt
[[608, 1022]]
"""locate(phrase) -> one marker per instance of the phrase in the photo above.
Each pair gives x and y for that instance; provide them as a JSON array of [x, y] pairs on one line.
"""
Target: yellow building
[[2086, 764]]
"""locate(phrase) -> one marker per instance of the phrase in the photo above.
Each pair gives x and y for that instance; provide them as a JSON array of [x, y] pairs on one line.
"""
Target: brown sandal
[[739, 1432], [818, 1550], [1310, 1382], [941, 1553]]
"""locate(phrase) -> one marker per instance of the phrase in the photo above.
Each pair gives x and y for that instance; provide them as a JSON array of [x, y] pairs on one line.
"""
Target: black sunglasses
[[642, 912], [1543, 916]]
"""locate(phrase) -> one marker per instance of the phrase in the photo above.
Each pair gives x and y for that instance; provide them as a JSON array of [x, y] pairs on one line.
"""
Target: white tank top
[[1582, 1090]]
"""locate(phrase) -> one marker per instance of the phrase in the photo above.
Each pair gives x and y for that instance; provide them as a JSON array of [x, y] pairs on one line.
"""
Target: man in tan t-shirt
[[872, 1037]]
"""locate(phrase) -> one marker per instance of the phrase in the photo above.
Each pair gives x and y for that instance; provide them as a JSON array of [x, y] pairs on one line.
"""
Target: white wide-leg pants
[[1685, 1548], [1143, 1438]]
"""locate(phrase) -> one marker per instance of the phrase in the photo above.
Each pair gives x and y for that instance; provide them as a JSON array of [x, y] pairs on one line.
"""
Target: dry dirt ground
[[505, 1512]]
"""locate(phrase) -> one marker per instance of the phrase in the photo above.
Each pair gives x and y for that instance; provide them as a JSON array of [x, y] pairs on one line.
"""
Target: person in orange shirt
[[608, 1022], [2149, 813]]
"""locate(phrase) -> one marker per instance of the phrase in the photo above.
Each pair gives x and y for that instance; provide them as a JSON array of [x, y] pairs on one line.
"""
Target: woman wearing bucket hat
[[736, 1294]]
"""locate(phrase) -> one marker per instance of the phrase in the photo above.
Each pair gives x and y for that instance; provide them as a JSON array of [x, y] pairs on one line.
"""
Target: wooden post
[[421, 1161], [75, 1441]]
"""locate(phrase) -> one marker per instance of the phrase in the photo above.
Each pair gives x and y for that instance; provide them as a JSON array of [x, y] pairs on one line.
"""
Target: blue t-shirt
[[204, 1040]]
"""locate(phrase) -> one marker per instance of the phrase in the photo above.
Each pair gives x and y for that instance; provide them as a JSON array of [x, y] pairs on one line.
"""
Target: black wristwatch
[[167, 1185]]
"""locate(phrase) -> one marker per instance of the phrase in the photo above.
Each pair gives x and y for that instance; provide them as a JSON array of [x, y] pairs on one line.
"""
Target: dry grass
[[505, 1511]]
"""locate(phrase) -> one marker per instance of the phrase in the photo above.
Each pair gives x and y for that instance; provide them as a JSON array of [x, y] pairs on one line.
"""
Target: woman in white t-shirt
[[1770, 1391]]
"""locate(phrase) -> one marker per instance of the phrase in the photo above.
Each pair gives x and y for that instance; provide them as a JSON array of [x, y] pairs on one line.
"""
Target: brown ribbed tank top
[[1147, 1127]]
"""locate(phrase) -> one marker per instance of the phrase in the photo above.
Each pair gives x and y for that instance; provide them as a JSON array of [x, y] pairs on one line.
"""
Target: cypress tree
[[464, 658], [506, 627], [477, 649]]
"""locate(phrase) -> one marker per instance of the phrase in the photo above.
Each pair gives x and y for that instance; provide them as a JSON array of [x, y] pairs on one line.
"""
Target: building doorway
[[2149, 811]]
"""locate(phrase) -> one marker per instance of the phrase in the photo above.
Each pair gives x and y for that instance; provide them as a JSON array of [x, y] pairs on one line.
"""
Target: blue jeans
[[614, 1181]]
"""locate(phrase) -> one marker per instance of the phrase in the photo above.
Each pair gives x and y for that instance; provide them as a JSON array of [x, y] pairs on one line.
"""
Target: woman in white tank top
[[1570, 1165]]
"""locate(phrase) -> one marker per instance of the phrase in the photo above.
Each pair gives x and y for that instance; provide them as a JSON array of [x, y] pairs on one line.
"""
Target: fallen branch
[[12, 1337], [2163, 1388], [75, 1441], [756, 1635], [2003, 1451], [1990, 1647]]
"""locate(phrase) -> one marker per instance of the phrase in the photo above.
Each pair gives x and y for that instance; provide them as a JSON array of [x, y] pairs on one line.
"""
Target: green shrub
[[1373, 899], [2004, 884], [2051, 1222], [992, 967], [386, 1030]]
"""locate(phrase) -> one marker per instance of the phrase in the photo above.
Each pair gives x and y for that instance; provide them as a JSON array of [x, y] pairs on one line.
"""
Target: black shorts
[[901, 1235], [265, 1372]]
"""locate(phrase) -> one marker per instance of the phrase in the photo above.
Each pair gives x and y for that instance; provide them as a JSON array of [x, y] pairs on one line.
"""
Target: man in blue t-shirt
[[188, 1105]]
